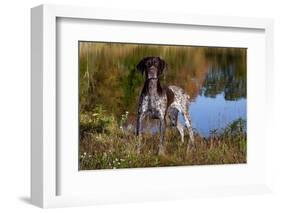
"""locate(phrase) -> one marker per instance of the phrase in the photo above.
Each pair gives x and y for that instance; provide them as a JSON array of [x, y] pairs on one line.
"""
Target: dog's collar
[[152, 79]]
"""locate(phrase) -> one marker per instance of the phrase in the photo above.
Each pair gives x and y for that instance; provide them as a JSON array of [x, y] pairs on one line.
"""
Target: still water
[[215, 113]]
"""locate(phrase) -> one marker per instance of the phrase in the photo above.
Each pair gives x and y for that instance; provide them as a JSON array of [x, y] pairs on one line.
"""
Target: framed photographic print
[[137, 106]]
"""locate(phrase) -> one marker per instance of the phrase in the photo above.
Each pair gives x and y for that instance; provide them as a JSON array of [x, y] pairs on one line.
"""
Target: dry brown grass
[[110, 147]]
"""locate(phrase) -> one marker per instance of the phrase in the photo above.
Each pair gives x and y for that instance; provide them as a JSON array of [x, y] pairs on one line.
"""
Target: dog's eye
[[155, 62]]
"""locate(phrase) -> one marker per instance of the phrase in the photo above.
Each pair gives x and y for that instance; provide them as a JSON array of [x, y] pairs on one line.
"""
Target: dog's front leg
[[139, 123], [162, 136], [139, 130]]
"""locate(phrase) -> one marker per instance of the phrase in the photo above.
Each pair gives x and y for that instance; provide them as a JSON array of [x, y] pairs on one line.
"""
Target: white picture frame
[[44, 149]]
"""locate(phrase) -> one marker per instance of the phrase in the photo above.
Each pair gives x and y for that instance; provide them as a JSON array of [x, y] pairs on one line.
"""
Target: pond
[[215, 113], [215, 79]]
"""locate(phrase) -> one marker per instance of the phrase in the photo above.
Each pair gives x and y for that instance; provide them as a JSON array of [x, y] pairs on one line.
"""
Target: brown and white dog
[[161, 102]]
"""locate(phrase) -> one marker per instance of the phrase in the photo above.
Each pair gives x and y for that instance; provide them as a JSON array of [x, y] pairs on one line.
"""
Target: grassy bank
[[106, 143]]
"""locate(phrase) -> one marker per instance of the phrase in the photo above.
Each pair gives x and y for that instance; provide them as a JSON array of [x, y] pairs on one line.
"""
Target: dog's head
[[153, 67]]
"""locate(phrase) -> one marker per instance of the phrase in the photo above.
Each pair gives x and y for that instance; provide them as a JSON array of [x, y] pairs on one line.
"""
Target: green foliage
[[131, 84], [237, 126], [97, 121], [124, 119]]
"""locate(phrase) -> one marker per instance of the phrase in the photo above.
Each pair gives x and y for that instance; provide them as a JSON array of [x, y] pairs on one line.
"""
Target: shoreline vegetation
[[106, 143]]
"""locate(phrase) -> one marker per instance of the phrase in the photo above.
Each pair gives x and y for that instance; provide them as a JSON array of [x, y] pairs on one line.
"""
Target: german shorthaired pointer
[[160, 102]]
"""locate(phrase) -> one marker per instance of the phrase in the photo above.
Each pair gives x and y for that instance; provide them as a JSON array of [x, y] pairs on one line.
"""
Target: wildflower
[[85, 153]]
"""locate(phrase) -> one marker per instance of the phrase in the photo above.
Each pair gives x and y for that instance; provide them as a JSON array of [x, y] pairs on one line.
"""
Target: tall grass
[[106, 144]]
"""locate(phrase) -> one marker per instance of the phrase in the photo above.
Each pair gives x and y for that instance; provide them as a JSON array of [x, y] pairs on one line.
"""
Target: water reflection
[[215, 78], [222, 98]]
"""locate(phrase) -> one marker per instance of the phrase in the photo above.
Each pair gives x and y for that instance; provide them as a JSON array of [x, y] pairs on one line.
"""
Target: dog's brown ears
[[163, 65], [141, 65]]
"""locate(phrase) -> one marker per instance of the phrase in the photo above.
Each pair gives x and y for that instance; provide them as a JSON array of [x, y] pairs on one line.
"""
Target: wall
[[15, 104]]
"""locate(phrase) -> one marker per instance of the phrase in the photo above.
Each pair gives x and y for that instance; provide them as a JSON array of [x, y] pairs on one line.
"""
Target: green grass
[[105, 145]]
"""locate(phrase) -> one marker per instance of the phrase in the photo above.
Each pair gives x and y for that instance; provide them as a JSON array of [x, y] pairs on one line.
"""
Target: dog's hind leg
[[180, 128], [190, 131], [175, 120]]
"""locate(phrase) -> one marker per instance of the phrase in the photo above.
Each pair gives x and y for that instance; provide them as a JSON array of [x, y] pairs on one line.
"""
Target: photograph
[[160, 105]]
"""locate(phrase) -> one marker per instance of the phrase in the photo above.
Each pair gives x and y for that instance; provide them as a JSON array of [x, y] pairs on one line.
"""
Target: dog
[[162, 102]]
